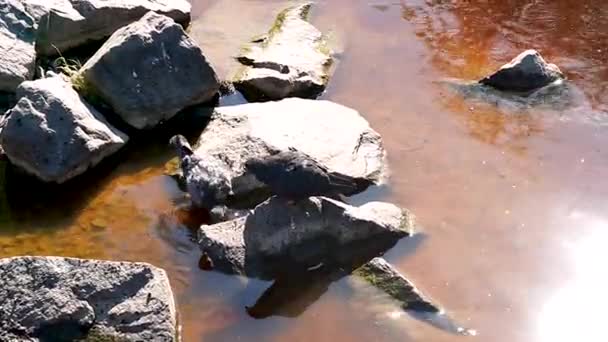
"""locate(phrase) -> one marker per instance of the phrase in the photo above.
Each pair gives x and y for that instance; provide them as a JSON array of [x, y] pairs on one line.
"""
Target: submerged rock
[[337, 137], [65, 299], [54, 134], [291, 60], [526, 72], [279, 238], [70, 23], [148, 71], [17, 38], [379, 273]]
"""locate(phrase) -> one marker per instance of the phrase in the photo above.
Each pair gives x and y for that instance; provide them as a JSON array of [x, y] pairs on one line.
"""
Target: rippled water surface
[[511, 198]]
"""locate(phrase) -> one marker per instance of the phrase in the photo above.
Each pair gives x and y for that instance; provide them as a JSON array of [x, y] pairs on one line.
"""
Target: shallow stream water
[[511, 199]]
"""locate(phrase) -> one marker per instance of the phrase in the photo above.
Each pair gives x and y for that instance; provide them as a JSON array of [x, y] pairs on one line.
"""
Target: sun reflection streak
[[576, 311]]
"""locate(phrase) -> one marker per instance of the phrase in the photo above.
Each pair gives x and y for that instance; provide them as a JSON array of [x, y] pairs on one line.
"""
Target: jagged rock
[[336, 136], [148, 71], [526, 72], [70, 23], [379, 273], [17, 38], [291, 60], [54, 134], [279, 237], [65, 299]]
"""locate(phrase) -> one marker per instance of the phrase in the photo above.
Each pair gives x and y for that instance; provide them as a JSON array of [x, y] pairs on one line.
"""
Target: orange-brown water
[[511, 200]]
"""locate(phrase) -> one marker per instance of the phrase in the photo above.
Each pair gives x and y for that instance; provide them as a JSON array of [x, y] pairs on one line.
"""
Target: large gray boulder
[[54, 134], [278, 237], [291, 60], [65, 299], [17, 38], [336, 136], [525, 73], [66, 24], [148, 71]]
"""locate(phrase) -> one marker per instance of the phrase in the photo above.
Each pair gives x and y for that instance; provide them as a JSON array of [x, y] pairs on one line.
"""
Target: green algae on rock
[[291, 60]]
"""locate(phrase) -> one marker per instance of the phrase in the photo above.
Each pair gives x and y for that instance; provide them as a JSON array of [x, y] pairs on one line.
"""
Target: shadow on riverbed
[[27, 202]]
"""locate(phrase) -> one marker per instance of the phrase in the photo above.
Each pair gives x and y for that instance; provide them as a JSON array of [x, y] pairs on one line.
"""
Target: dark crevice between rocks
[[62, 331]]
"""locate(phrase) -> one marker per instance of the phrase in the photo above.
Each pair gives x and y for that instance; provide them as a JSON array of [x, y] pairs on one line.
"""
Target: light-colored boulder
[[70, 23], [65, 299], [54, 134], [148, 71], [336, 136], [526, 72], [17, 38], [279, 237], [291, 60]]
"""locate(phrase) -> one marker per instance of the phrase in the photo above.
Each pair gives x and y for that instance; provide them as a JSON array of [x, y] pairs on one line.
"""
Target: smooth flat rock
[[336, 136], [17, 38], [66, 24], [291, 60], [525, 73], [54, 134], [65, 299], [150, 70], [278, 237]]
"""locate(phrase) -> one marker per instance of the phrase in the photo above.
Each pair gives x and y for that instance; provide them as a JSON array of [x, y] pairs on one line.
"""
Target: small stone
[[525, 73]]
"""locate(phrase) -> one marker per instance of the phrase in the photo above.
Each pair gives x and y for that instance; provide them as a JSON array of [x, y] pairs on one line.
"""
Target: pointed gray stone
[[54, 134], [526, 72], [150, 70]]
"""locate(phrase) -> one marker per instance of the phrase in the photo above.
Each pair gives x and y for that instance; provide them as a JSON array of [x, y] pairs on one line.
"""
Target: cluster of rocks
[[147, 70]]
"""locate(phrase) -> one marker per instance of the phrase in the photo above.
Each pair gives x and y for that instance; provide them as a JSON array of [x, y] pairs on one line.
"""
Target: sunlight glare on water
[[577, 311]]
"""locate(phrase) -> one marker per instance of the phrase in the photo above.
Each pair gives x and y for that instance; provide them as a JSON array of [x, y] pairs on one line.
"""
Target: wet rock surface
[[148, 71], [17, 38], [379, 273], [64, 299], [54, 134], [291, 60], [70, 23], [337, 137], [526, 72], [279, 237]]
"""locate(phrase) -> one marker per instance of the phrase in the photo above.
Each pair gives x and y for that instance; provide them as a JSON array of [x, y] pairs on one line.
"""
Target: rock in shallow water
[[279, 237], [148, 71], [526, 72], [336, 136], [64, 299], [17, 52], [292, 60], [379, 273], [54, 134], [66, 24]]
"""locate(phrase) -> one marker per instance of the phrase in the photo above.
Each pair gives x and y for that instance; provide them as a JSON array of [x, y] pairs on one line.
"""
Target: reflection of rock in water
[[291, 295]]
